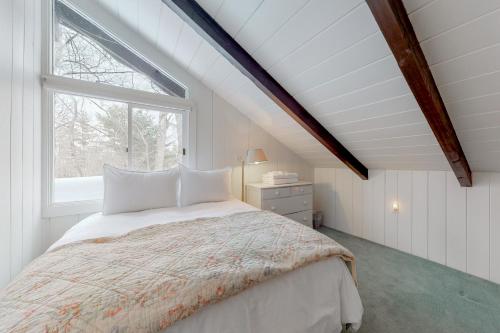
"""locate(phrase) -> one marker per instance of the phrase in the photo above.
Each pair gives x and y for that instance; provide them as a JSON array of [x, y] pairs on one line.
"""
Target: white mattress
[[316, 298]]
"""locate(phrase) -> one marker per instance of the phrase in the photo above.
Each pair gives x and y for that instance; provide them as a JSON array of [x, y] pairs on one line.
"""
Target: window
[[155, 139], [83, 51], [87, 134], [79, 57], [105, 105], [90, 132]]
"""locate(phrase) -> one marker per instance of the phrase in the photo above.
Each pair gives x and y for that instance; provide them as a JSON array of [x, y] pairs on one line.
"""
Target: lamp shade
[[256, 156]]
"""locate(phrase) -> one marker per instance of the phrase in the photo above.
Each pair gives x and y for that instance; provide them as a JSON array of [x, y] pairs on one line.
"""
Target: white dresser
[[291, 200]]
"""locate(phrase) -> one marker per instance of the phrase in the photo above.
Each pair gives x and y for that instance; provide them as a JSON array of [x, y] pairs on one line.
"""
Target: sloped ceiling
[[331, 55], [461, 42]]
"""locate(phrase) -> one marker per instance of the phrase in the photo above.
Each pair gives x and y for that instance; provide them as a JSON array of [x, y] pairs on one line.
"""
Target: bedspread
[[150, 278]]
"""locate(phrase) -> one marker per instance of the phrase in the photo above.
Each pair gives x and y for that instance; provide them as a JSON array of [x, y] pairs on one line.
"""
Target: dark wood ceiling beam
[[393, 20], [200, 21]]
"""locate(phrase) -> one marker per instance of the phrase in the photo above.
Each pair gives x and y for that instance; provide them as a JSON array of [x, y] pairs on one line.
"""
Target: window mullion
[[130, 148]]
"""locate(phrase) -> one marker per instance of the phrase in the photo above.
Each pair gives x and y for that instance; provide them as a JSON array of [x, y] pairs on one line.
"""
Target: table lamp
[[253, 156]]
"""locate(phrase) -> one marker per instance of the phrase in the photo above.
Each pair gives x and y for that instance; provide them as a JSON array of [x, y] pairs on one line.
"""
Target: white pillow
[[132, 191], [204, 186]]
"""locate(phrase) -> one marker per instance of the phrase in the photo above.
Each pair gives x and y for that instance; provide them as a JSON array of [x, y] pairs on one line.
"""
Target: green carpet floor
[[402, 293]]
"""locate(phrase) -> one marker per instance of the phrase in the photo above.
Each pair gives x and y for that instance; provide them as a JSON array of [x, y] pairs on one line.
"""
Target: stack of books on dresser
[[280, 177]]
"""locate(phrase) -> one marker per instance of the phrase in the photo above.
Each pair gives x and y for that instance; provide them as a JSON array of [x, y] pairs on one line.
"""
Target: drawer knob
[[305, 202], [273, 208], [301, 190], [277, 192], [304, 219]]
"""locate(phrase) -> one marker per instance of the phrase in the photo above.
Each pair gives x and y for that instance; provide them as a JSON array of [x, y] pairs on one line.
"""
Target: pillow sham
[[204, 186], [132, 191]]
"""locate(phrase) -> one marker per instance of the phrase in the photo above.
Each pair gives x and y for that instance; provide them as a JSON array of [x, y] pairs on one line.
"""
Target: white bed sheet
[[98, 225], [317, 298]]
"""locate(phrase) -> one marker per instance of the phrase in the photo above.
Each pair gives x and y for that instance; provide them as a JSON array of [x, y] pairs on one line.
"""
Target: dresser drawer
[[305, 217], [273, 193], [301, 190], [288, 205]]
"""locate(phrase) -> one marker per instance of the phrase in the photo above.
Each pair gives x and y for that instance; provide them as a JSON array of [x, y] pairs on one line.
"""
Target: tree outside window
[[90, 132]]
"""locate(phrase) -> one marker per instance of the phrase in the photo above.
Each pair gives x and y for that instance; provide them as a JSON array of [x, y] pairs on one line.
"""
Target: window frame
[[52, 84], [75, 20]]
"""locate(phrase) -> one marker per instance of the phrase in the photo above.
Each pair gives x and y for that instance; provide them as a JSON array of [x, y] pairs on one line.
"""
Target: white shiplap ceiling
[[461, 42], [331, 55]]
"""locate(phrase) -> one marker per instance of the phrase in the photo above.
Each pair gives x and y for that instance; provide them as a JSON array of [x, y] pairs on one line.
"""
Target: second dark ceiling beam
[[398, 31]]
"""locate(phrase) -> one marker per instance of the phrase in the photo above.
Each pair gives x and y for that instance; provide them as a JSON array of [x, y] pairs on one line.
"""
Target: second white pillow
[[204, 186]]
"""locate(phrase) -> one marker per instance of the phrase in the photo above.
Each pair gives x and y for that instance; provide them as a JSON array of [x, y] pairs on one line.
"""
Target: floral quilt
[[148, 279]]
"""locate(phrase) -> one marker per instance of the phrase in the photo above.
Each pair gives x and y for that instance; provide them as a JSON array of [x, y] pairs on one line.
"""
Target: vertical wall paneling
[[324, 194], [357, 206], [20, 229], [321, 195], [367, 209], [404, 216], [456, 227], [58, 226], [37, 221], [343, 211], [478, 226], [227, 123], [6, 98], [330, 209], [419, 213], [204, 127], [436, 234], [16, 136], [377, 178], [391, 217], [495, 227], [437, 219], [28, 116]]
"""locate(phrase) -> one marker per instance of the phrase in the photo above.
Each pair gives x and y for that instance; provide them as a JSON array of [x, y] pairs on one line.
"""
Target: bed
[[320, 296]]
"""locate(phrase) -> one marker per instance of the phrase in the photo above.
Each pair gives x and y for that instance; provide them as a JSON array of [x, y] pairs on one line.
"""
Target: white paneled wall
[[57, 226], [437, 219], [20, 223], [234, 133]]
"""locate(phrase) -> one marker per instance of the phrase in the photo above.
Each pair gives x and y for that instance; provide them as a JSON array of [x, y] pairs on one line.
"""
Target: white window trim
[[52, 83], [115, 93]]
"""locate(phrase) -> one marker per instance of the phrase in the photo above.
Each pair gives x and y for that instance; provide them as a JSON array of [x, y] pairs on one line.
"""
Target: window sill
[[72, 208]]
